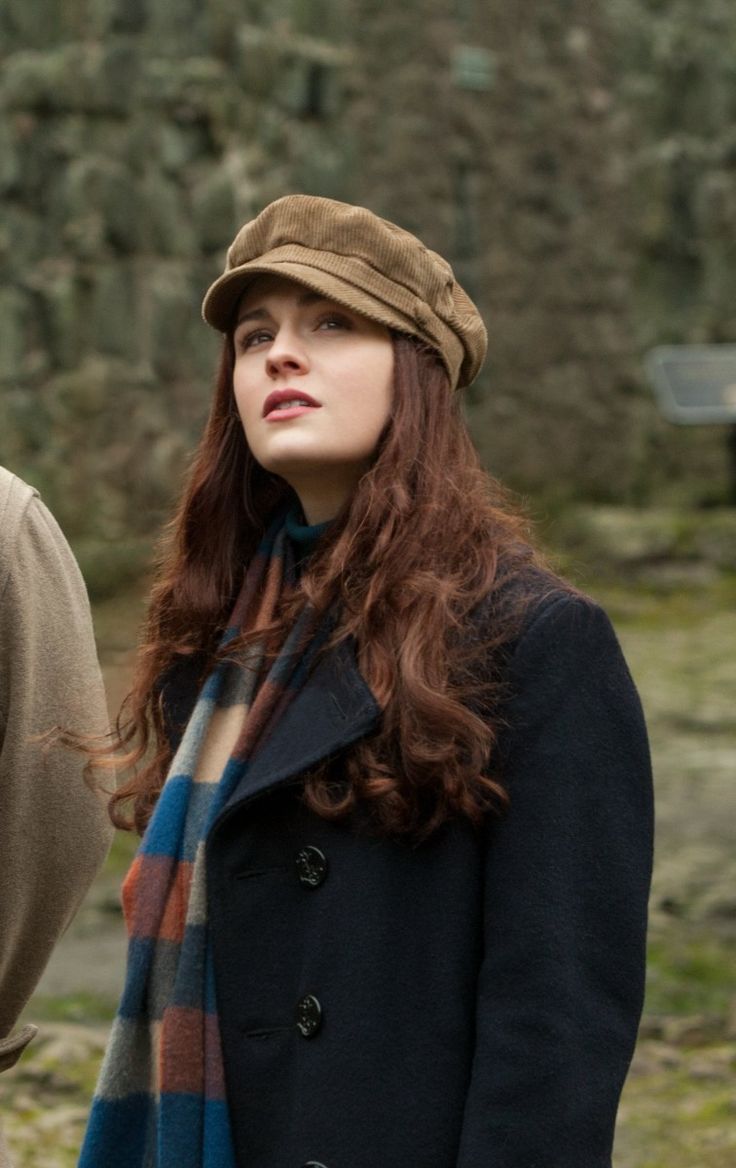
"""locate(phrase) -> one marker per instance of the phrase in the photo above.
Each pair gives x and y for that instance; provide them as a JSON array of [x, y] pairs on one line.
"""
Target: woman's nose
[[286, 356]]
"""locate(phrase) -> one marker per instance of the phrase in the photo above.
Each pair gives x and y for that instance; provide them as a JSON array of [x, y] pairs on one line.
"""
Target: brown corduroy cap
[[350, 255]]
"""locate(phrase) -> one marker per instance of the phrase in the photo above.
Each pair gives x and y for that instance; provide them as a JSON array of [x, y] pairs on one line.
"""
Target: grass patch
[[121, 853], [645, 605], [690, 974], [86, 1008], [681, 1118]]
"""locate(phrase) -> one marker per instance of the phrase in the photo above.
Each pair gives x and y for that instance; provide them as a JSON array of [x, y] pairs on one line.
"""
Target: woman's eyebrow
[[253, 314], [262, 313]]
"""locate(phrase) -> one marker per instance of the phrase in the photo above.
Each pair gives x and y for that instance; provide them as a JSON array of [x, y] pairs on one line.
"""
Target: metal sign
[[694, 383], [473, 67]]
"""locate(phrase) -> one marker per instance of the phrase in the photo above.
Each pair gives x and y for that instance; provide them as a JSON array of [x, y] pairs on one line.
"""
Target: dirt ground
[[679, 1105]]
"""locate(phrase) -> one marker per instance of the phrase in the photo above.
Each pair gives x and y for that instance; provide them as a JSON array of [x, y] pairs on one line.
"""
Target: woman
[[389, 907]]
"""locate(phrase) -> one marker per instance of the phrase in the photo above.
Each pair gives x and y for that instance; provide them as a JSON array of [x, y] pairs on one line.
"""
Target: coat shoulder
[[538, 627], [560, 620], [520, 598]]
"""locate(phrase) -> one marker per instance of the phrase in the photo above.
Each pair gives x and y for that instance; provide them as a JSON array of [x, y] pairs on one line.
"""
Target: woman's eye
[[248, 340], [334, 320]]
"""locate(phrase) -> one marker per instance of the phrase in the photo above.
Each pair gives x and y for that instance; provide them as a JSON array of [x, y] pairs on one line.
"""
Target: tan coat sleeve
[[5, 1161], [54, 831]]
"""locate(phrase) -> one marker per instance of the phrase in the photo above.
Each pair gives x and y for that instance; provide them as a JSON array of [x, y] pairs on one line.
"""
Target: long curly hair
[[427, 567]]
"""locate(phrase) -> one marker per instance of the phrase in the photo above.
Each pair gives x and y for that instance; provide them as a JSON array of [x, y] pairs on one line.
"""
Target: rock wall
[[677, 71], [575, 161]]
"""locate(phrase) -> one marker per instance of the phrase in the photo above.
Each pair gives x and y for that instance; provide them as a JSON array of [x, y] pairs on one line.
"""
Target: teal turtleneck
[[303, 536]]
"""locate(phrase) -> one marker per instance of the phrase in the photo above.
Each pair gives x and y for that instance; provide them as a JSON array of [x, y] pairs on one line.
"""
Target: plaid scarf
[[160, 1101]]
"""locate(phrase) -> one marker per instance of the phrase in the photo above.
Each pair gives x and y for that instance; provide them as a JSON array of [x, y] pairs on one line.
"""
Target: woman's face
[[312, 384]]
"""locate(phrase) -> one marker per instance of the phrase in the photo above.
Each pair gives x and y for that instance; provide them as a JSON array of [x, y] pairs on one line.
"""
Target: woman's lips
[[282, 415], [281, 397]]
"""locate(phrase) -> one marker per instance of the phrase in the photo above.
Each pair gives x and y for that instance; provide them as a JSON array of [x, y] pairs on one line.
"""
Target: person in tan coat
[[54, 829]]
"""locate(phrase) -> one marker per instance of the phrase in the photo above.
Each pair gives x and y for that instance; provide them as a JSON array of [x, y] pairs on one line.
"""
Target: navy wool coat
[[471, 1002]]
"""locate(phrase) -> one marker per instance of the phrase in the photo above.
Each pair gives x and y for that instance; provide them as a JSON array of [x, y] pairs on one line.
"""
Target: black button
[[311, 864], [308, 1015], [313, 1164]]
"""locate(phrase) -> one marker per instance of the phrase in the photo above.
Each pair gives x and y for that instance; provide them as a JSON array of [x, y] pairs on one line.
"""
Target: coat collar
[[333, 709]]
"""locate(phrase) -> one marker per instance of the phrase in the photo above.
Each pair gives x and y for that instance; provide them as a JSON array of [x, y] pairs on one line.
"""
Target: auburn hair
[[427, 567]]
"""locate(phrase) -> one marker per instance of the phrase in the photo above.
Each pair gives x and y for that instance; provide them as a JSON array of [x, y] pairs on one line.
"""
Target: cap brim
[[218, 307]]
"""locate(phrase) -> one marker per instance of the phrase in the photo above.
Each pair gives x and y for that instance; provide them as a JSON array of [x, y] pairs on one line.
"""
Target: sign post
[[696, 385]]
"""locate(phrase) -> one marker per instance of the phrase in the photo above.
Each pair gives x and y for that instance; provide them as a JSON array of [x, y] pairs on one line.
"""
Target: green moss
[[121, 853], [52, 1146], [678, 1117], [83, 1007], [646, 604], [690, 974], [721, 1108]]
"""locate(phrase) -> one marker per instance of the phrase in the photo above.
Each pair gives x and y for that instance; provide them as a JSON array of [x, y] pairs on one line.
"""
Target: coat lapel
[[333, 709]]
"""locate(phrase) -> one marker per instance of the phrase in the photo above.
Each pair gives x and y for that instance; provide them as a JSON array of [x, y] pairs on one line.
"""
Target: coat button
[[311, 865], [313, 1164], [308, 1015]]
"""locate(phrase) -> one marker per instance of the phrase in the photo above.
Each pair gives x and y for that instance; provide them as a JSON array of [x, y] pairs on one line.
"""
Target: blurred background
[[576, 161]]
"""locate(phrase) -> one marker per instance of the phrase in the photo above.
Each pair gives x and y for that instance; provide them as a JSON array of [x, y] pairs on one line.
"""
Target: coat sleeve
[[54, 830], [567, 875]]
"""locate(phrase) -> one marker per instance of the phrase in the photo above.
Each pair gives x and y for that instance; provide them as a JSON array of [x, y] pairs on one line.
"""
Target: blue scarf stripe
[[235, 770], [165, 831], [181, 1115], [140, 956], [189, 810], [117, 1132], [203, 797]]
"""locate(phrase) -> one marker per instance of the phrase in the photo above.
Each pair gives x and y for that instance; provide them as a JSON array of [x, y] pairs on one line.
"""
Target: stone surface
[[583, 188]]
